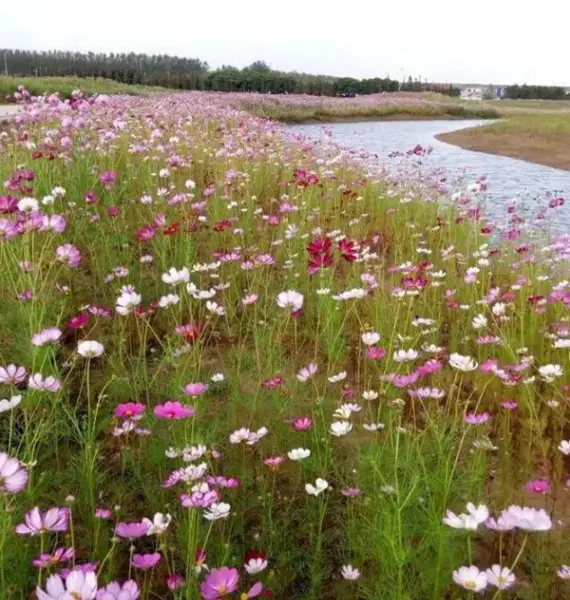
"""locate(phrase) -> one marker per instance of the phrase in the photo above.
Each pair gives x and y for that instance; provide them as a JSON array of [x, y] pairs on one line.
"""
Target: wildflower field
[[237, 363]]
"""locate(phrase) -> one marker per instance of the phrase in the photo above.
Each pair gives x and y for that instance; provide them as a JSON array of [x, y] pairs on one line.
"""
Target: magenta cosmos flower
[[130, 410], [195, 389], [115, 591], [173, 410], [13, 476], [538, 486], [219, 583], [145, 561], [54, 519], [131, 530]]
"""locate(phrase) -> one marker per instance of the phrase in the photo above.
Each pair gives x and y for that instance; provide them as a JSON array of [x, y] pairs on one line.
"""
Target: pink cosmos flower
[[130, 410], [107, 179], [199, 499], [99, 311], [54, 519], [103, 513], [375, 353], [489, 366], [115, 591], [69, 255], [509, 405], [131, 530], [59, 555], [274, 461], [302, 423], [78, 586], [88, 567], [351, 492], [13, 476], [195, 389], [477, 418], [538, 486], [48, 384], [145, 561], [219, 583], [174, 581], [12, 374], [54, 223], [46, 336], [224, 482], [173, 410]]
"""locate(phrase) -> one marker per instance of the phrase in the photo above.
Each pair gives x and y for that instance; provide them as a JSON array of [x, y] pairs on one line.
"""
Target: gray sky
[[484, 41]]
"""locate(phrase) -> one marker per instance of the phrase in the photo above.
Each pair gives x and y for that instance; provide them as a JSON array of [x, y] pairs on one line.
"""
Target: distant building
[[472, 93]]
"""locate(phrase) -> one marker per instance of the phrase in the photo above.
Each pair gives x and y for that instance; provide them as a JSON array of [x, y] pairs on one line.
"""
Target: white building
[[472, 93]]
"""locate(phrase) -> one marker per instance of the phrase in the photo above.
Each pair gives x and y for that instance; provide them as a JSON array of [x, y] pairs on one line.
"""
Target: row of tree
[[536, 92], [194, 74]]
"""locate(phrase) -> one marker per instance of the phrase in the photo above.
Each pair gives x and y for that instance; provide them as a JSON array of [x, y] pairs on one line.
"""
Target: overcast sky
[[483, 41]]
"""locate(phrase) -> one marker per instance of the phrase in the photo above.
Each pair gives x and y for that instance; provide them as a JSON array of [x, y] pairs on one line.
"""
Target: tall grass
[[189, 221]]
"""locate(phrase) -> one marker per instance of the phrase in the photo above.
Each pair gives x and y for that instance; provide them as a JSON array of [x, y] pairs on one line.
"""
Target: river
[[507, 178]]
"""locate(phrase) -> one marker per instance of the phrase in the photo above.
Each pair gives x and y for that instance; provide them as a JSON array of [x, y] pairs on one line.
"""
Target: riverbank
[[542, 138]]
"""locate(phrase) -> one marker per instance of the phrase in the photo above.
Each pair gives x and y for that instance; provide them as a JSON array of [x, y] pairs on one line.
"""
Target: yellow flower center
[[470, 585], [76, 595]]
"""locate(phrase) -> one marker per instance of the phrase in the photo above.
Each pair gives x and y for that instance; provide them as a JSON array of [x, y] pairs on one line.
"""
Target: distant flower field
[[239, 363]]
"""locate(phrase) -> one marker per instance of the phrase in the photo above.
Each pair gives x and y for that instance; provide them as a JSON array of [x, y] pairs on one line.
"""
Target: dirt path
[[8, 109]]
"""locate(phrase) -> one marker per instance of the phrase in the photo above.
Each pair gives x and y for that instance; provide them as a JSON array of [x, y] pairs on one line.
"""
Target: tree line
[[536, 92], [194, 74]]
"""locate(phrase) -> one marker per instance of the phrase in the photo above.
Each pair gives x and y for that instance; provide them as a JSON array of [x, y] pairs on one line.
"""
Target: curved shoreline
[[543, 149]]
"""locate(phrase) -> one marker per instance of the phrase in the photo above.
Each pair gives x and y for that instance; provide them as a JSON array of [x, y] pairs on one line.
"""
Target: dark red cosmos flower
[[319, 245], [535, 299], [272, 383], [171, 229], [37, 154], [418, 282], [114, 211], [254, 554], [222, 225], [78, 321], [348, 249]]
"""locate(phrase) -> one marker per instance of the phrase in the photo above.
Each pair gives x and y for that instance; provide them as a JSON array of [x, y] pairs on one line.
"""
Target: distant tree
[[260, 66]]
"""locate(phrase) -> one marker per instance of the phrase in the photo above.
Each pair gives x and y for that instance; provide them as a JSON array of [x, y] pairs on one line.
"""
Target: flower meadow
[[238, 363]]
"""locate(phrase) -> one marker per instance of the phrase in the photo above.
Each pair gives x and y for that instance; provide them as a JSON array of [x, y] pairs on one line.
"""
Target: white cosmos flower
[[370, 395], [499, 309], [299, 453], [529, 519], [564, 445], [470, 578], [255, 436], [240, 435], [550, 372], [215, 308], [320, 486], [10, 404], [353, 294], [174, 277], [159, 523], [255, 565], [462, 363], [373, 426], [500, 577], [370, 338], [290, 299], [217, 377], [127, 302], [28, 205], [307, 372], [563, 572], [323, 291], [90, 349], [340, 428], [338, 377], [349, 572], [432, 348], [168, 300], [405, 355], [479, 322], [421, 321], [218, 510], [471, 520], [77, 585], [561, 343]]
